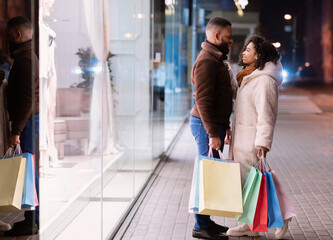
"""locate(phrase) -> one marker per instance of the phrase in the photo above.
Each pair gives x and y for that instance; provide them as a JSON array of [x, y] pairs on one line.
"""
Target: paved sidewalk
[[302, 156]]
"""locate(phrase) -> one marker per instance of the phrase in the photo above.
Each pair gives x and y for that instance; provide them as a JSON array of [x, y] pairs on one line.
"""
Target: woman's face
[[249, 55]]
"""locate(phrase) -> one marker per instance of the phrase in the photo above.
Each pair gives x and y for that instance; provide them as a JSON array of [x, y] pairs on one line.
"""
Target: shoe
[[219, 228], [281, 231], [241, 230], [208, 233], [4, 226], [22, 228]]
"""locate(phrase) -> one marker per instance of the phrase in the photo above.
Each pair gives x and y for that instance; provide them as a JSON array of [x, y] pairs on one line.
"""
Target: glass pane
[[178, 65], [71, 140]]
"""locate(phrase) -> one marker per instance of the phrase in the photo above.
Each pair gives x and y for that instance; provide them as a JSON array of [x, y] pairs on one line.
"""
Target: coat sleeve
[[233, 83], [23, 96], [204, 82], [266, 104]]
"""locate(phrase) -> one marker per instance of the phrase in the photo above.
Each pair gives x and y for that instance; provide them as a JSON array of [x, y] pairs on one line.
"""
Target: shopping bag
[[29, 194], [194, 194], [286, 206], [260, 217], [250, 195], [36, 201], [28, 198], [220, 191], [12, 171], [274, 212]]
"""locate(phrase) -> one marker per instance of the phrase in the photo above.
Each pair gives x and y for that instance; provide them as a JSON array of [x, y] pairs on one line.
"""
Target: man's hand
[[261, 152], [2, 76], [215, 143], [14, 140], [227, 137]]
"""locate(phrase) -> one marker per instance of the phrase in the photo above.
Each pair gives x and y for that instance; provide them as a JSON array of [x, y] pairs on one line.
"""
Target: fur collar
[[212, 50], [272, 70]]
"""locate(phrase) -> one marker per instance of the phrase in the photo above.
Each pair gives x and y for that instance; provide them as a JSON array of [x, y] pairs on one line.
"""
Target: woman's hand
[[261, 152]]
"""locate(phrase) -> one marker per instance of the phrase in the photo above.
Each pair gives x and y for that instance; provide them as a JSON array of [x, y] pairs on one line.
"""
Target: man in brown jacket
[[213, 106], [23, 104]]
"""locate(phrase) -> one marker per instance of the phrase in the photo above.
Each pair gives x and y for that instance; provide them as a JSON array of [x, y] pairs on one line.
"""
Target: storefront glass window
[[114, 90], [96, 136]]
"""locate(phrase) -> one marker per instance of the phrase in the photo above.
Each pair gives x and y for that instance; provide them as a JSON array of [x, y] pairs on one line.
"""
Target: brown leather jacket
[[23, 87], [213, 92]]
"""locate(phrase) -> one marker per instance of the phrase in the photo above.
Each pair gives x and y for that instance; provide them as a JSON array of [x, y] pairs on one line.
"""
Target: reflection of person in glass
[[210, 115], [48, 86], [23, 104], [3, 131]]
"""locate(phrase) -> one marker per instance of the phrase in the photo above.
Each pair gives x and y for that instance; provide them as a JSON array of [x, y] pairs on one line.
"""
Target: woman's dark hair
[[265, 50]]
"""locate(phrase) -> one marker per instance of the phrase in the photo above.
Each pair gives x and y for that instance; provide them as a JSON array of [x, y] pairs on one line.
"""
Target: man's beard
[[224, 49], [12, 47]]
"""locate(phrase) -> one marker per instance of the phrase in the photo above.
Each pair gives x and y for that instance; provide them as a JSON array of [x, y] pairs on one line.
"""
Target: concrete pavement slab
[[302, 157]]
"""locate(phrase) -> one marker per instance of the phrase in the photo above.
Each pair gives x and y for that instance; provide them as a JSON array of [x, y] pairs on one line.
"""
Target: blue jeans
[[28, 139], [201, 138]]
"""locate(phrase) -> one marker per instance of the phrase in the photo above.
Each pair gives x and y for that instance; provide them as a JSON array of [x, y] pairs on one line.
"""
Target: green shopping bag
[[250, 195]]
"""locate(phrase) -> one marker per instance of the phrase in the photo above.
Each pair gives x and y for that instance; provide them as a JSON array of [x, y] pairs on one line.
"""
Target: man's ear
[[217, 36], [18, 36]]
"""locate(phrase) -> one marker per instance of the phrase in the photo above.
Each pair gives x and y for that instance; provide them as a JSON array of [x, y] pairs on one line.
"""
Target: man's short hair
[[217, 22], [18, 22]]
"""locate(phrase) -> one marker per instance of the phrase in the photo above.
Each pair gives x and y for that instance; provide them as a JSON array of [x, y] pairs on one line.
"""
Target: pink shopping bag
[[286, 206]]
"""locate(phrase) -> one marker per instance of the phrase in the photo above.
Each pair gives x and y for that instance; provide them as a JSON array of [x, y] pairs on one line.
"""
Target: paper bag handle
[[210, 153]]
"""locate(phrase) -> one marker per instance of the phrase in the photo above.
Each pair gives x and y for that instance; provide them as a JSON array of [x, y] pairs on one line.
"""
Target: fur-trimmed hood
[[271, 69]]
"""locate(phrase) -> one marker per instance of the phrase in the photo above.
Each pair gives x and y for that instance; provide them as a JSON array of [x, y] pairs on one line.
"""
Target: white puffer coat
[[255, 115]]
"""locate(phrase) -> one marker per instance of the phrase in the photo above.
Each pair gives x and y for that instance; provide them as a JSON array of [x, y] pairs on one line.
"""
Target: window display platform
[[74, 192]]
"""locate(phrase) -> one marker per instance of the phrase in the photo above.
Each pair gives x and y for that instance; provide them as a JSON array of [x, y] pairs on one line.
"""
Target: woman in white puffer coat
[[255, 111]]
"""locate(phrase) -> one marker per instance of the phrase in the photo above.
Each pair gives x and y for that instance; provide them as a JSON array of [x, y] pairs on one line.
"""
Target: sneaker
[[242, 230], [4, 226], [208, 233], [281, 231]]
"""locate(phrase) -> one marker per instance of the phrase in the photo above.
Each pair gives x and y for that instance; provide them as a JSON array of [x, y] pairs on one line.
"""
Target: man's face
[[225, 39], [11, 36], [226, 34], [14, 38]]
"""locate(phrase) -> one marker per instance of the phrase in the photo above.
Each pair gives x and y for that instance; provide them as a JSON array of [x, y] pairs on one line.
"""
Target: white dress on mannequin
[[48, 89]]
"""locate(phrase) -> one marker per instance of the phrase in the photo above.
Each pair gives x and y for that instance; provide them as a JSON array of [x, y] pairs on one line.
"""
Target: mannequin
[[48, 88]]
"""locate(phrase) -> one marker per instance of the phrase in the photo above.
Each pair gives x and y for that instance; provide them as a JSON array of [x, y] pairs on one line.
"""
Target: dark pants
[[28, 139], [201, 137]]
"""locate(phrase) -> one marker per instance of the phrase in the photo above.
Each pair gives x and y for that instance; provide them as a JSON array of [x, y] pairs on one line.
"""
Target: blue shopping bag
[[28, 195], [194, 195], [275, 218]]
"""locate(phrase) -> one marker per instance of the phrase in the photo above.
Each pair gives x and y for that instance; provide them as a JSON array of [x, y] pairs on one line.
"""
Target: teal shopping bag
[[250, 195], [275, 218]]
